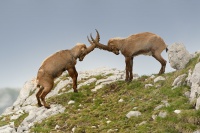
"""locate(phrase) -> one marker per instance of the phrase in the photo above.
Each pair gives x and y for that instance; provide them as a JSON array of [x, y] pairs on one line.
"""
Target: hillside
[[106, 103], [155, 108]]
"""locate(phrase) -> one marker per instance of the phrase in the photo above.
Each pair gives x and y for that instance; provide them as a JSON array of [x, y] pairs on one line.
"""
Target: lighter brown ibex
[[143, 43], [55, 65]]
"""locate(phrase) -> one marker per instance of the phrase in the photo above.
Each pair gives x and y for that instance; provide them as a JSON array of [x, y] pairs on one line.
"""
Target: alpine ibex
[[143, 43], [55, 65]]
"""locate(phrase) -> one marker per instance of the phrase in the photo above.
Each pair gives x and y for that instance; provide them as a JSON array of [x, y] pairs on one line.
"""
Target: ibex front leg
[[131, 69], [73, 74], [129, 65]]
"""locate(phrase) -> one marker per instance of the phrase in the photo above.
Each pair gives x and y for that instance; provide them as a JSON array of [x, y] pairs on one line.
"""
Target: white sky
[[32, 30]]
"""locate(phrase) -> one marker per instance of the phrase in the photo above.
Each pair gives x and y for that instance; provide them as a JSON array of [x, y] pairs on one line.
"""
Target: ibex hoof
[[47, 106], [39, 105], [160, 73], [75, 91], [128, 80]]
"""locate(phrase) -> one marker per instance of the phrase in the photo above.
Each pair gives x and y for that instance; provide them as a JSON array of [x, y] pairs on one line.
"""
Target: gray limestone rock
[[159, 78], [133, 113], [193, 81], [178, 56], [179, 80]]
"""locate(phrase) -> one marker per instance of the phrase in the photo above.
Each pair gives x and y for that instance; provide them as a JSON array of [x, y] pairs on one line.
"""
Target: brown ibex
[[55, 65], [143, 43]]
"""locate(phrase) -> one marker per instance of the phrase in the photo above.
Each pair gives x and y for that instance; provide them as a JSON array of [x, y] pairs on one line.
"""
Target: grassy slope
[[92, 110]]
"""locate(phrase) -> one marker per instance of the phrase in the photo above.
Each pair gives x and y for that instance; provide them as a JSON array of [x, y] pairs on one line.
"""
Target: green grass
[[18, 121], [32, 92], [67, 88], [4, 120], [92, 110]]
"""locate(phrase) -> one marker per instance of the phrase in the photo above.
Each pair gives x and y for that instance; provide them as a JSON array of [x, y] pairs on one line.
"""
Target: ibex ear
[[83, 48]]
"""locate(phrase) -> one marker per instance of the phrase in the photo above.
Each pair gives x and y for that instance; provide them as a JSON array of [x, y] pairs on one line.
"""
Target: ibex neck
[[120, 43], [74, 52]]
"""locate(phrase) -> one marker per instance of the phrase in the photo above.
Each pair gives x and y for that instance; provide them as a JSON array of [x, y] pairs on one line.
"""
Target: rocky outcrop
[[193, 81], [191, 78], [179, 80], [178, 56], [26, 102]]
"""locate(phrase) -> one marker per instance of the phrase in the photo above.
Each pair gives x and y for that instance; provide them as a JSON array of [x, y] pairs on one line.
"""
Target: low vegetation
[[105, 110], [101, 111], [18, 121], [4, 120]]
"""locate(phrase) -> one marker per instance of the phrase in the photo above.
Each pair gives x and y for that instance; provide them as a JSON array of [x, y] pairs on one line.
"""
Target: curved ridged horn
[[89, 41], [92, 38], [98, 44], [98, 36]]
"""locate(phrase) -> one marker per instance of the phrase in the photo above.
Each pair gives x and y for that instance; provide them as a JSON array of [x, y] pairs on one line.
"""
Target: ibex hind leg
[[38, 95], [162, 62], [45, 91]]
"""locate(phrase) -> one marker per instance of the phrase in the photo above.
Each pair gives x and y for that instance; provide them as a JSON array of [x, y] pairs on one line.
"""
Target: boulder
[[133, 113], [159, 78], [162, 114], [179, 80], [194, 82], [178, 56], [148, 85], [177, 111]]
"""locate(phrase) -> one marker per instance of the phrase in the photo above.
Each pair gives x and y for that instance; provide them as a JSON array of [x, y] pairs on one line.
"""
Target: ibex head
[[81, 48], [111, 46], [86, 50]]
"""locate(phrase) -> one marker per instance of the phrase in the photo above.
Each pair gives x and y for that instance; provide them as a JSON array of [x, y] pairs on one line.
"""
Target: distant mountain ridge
[[7, 97]]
